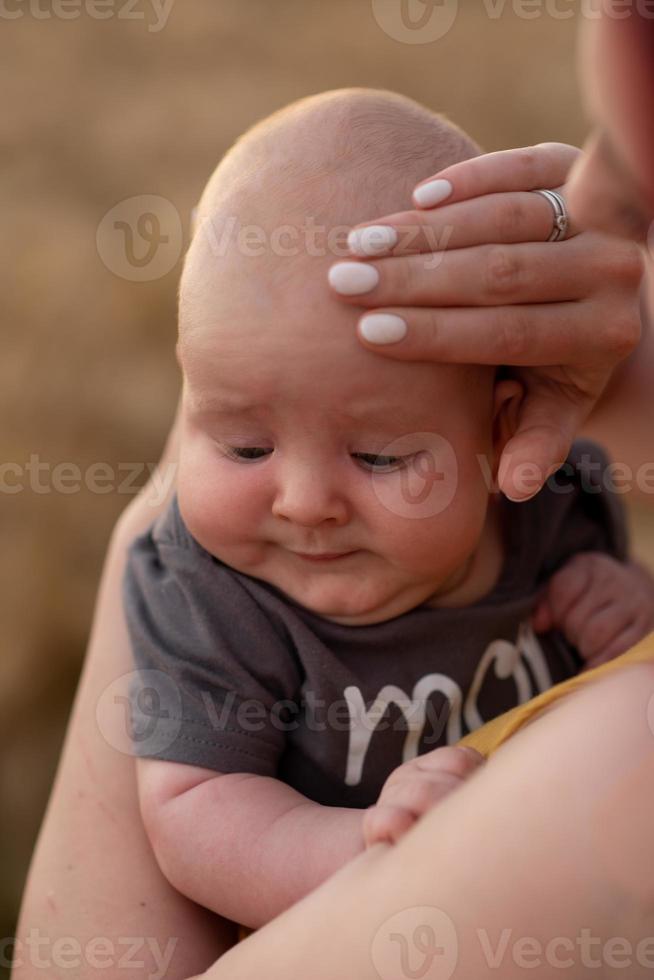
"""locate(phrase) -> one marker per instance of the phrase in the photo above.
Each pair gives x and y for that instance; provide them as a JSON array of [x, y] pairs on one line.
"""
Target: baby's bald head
[[299, 179], [358, 149]]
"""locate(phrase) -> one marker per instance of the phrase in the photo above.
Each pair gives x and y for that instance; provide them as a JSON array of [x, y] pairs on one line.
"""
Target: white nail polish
[[383, 328], [428, 195], [373, 240], [352, 278]]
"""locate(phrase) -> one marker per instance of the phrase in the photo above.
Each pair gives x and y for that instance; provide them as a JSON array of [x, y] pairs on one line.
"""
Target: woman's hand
[[475, 280], [414, 788]]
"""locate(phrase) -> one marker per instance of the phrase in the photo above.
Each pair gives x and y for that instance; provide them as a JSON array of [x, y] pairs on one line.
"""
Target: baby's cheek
[[421, 490], [432, 513], [215, 506]]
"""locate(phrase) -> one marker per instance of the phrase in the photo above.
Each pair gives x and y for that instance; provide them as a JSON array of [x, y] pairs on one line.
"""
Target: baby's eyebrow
[[371, 411], [366, 411], [225, 405]]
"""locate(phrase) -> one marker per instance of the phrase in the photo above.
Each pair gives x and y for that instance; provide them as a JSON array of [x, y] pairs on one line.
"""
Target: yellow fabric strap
[[491, 735]]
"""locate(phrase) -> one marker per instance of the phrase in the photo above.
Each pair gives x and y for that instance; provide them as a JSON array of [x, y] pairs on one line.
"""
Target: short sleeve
[[214, 672]]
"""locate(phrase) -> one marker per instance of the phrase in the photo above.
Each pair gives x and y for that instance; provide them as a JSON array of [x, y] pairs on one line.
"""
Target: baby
[[338, 593]]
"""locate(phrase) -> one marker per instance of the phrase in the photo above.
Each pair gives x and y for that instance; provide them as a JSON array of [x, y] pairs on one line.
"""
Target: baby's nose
[[309, 496]]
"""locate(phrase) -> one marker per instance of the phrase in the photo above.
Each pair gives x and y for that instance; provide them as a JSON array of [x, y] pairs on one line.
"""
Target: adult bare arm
[[96, 903], [623, 419], [479, 283], [497, 880]]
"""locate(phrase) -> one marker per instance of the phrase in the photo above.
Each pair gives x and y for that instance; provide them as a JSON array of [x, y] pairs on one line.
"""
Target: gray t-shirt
[[235, 676]]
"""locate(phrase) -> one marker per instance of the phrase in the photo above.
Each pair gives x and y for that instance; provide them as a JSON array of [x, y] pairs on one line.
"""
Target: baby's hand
[[414, 788], [602, 606]]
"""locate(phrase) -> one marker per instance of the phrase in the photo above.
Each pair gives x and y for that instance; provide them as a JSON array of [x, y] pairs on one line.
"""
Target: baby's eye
[[247, 453], [384, 463]]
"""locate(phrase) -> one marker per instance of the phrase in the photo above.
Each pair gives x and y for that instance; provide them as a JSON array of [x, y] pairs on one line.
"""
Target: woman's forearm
[[248, 847], [94, 884], [623, 418], [540, 862]]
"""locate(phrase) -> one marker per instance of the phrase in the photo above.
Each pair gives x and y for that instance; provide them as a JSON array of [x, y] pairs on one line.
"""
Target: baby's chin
[[337, 605], [351, 598], [358, 590]]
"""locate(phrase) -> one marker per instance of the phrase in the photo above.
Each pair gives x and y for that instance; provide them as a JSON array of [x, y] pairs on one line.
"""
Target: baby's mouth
[[325, 556]]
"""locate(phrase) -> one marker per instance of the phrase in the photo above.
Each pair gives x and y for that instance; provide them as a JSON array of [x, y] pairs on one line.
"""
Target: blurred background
[[144, 102]]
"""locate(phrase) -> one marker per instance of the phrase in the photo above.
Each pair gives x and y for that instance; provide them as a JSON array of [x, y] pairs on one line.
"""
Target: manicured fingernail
[[351, 278], [372, 240], [427, 195], [382, 328]]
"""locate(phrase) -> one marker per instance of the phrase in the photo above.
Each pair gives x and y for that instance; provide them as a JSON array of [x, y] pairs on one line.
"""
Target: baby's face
[[298, 442]]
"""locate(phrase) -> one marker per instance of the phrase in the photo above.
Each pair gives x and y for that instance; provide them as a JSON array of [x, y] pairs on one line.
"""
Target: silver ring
[[561, 216]]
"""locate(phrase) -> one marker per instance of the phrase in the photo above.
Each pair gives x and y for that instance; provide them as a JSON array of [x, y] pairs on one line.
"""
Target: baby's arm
[[244, 845], [603, 606], [248, 847]]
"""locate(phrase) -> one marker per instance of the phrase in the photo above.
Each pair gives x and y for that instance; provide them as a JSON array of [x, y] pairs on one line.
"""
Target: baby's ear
[[507, 404]]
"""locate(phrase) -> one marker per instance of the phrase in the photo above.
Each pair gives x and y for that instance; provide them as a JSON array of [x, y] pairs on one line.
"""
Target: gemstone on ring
[[561, 222]]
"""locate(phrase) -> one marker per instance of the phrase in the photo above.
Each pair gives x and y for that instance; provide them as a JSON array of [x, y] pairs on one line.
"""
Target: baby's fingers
[[402, 803], [386, 824], [421, 791], [564, 590], [628, 638], [414, 788], [594, 631], [458, 760], [417, 794], [542, 618]]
